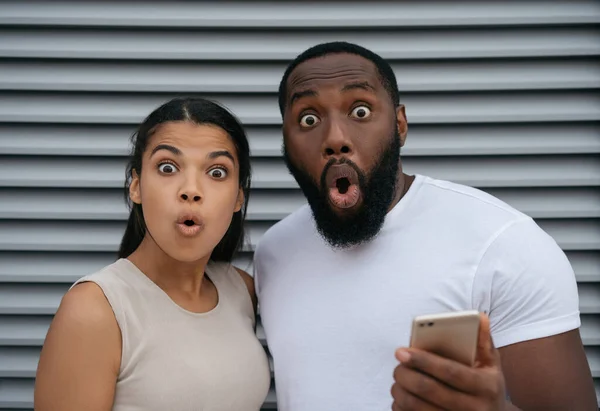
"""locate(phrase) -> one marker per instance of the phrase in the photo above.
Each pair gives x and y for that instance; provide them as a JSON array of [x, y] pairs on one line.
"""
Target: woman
[[170, 324]]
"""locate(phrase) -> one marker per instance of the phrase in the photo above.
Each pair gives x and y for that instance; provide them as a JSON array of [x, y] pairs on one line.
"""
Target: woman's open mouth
[[189, 225]]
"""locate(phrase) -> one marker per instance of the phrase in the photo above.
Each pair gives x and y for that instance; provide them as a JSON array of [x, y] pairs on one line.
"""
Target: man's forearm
[[511, 407]]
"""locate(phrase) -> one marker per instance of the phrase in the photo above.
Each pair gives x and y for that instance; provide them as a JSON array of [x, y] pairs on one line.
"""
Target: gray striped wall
[[501, 95]]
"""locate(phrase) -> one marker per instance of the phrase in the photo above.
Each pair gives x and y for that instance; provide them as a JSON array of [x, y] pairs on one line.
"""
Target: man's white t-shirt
[[333, 319]]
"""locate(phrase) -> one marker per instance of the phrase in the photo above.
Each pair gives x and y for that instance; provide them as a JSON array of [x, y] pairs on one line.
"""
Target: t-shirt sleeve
[[526, 284], [257, 266]]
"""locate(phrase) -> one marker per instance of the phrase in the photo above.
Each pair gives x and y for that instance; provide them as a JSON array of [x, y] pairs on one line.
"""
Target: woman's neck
[[171, 275]]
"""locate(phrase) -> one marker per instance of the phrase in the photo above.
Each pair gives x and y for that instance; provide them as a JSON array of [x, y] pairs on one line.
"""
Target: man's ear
[[402, 123], [134, 188], [239, 203]]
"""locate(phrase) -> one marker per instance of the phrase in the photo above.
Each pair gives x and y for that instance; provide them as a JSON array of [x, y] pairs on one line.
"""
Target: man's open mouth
[[342, 185]]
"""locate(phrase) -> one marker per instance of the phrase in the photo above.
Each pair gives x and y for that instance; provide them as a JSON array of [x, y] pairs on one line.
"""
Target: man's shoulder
[[468, 195], [473, 204], [281, 234]]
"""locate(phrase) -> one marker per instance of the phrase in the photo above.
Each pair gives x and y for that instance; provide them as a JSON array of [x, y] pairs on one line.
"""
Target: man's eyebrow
[[302, 93], [221, 153], [363, 85], [167, 147]]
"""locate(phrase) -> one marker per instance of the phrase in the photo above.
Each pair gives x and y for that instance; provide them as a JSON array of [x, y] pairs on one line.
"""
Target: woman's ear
[[134, 188], [239, 203]]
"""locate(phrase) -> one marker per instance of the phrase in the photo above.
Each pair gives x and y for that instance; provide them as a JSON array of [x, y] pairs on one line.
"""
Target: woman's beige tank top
[[173, 359]]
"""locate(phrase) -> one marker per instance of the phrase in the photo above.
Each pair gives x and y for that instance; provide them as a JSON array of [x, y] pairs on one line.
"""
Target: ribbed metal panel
[[501, 95]]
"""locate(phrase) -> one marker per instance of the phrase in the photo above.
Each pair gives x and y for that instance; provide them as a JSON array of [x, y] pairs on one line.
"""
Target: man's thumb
[[487, 355]]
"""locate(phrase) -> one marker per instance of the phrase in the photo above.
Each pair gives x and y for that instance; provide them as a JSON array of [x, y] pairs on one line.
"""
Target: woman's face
[[188, 189]]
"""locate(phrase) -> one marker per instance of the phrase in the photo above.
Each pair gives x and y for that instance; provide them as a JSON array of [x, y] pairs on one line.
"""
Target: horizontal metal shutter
[[501, 95]]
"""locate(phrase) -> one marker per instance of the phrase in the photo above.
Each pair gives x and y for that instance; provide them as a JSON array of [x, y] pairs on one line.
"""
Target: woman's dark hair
[[198, 111]]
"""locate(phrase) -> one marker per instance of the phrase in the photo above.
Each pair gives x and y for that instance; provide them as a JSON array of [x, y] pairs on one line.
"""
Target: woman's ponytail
[[134, 232]]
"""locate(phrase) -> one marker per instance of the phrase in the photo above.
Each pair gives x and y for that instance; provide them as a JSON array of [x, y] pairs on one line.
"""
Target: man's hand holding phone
[[425, 381]]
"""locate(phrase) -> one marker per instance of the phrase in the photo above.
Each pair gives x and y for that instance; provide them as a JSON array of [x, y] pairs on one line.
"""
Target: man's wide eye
[[309, 120], [361, 112]]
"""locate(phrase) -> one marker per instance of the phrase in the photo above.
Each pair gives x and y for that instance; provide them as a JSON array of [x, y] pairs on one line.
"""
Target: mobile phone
[[451, 335]]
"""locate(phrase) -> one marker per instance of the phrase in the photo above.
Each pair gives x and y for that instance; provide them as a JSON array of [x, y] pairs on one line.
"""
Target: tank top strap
[[231, 285], [115, 280], [123, 289]]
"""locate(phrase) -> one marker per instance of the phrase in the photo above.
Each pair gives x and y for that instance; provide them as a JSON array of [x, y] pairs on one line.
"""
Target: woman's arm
[[80, 360]]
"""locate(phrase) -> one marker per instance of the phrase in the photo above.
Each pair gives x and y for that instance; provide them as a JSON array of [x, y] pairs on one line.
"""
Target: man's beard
[[377, 187]]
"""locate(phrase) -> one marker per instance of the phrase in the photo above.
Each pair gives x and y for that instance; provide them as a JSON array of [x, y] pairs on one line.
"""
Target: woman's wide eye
[[167, 168], [218, 173], [361, 112], [309, 120]]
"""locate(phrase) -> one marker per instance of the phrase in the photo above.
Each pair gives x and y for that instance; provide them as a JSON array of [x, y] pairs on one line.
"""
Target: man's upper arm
[[534, 314], [259, 262], [548, 374]]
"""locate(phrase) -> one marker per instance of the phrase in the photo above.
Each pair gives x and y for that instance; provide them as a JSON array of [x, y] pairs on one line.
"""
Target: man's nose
[[337, 142]]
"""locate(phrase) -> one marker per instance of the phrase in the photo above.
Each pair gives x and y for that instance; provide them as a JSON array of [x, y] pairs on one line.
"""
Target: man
[[340, 280]]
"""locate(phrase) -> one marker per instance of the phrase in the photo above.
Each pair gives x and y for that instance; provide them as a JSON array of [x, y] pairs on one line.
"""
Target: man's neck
[[403, 184]]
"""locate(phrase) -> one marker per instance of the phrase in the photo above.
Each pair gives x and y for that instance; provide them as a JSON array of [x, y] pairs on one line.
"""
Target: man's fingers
[[451, 373], [405, 401], [487, 355], [428, 389]]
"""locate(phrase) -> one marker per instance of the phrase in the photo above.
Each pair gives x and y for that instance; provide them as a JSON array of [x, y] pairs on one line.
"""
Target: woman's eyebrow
[[167, 147], [221, 153]]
